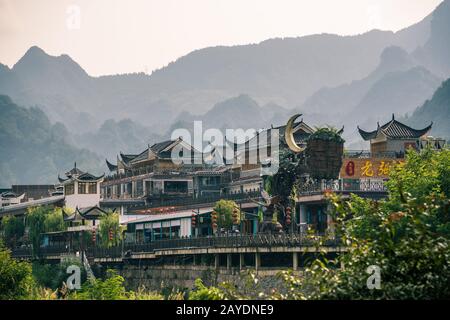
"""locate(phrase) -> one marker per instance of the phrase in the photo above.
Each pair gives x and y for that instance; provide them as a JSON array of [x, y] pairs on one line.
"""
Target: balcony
[[364, 154], [343, 186], [188, 202]]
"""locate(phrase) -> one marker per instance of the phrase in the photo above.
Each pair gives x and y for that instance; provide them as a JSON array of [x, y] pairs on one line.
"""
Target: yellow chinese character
[[367, 169], [383, 169]]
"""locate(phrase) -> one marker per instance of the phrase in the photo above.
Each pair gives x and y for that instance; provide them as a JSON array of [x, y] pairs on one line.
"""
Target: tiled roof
[[74, 171], [127, 157], [394, 130], [160, 146], [111, 166], [89, 177], [301, 133]]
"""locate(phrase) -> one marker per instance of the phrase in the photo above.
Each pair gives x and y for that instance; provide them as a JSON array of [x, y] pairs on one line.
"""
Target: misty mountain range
[[331, 79]]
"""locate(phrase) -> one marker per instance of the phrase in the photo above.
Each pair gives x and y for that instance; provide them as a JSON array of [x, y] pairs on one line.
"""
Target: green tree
[[35, 221], [406, 236], [224, 209], [13, 229], [16, 281], [111, 288], [110, 223], [54, 221], [40, 220]]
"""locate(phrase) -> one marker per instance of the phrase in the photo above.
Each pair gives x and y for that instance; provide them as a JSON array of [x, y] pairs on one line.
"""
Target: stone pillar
[[216, 261], [229, 261], [294, 261], [241, 261], [257, 261]]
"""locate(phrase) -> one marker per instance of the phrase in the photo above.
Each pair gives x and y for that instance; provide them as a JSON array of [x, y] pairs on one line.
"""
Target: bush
[[327, 134], [16, 281], [53, 276], [110, 221], [13, 229]]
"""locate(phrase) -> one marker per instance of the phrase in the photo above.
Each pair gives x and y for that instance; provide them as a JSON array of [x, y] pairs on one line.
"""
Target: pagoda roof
[[161, 146], [74, 171], [300, 130], [111, 166], [77, 174], [10, 194], [72, 217], [394, 130], [61, 180], [144, 155], [89, 177], [160, 150], [88, 213], [127, 157]]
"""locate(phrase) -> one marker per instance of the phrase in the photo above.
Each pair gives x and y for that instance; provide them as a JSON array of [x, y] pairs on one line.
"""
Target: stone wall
[[169, 276]]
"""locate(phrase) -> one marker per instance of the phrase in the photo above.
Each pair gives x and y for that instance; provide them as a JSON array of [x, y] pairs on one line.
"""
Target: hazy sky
[[118, 36]]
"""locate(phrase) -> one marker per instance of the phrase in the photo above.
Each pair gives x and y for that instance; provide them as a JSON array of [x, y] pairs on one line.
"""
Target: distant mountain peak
[[36, 59], [36, 50], [33, 54], [394, 58]]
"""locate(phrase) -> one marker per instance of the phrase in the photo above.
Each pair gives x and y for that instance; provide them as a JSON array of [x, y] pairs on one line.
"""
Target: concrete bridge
[[231, 251]]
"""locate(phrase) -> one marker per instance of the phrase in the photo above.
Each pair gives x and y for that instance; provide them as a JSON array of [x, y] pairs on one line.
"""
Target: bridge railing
[[229, 241], [234, 241]]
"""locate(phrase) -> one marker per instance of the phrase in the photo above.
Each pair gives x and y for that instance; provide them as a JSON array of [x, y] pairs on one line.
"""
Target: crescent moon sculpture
[[289, 136]]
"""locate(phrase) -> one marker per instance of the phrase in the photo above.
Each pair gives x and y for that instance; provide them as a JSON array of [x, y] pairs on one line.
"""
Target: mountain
[[399, 92], [34, 150], [240, 112], [435, 53], [284, 71], [437, 109], [344, 98], [117, 136]]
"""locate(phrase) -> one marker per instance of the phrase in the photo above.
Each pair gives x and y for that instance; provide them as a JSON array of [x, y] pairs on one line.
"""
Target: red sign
[[350, 168]]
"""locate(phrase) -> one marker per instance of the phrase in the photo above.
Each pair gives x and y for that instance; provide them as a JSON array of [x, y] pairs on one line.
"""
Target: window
[[81, 188], [92, 187], [176, 186], [69, 189]]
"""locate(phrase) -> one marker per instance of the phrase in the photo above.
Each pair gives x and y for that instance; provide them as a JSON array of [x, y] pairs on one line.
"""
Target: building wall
[[82, 200], [399, 145], [185, 227]]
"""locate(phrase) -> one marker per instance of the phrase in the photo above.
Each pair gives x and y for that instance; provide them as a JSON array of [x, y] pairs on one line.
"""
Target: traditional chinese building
[[253, 157], [8, 198], [81, 189], [363, 172], [394, 138]]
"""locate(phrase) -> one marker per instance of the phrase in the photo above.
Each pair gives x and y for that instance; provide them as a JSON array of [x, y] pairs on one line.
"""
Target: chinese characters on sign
[[367, 168]]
